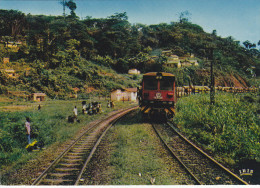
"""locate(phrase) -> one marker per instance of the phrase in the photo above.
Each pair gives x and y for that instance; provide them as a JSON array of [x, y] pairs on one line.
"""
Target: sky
[[237, 18]]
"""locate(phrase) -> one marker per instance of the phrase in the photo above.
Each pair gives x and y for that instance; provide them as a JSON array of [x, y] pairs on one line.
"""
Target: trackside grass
[[138, 158], [230, 129], [49, 125]]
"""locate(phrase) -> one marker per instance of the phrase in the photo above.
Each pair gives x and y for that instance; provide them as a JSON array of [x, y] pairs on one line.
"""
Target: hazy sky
[[237, 18]]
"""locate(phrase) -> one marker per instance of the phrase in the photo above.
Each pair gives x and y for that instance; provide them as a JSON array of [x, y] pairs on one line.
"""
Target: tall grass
[[49, 125], [230, 128]]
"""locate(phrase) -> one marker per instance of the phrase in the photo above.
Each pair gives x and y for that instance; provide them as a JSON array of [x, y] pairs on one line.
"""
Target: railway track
[[203, 169], [69, 166]]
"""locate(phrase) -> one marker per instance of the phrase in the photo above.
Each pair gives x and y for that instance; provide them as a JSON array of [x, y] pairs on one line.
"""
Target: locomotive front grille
[[158, 104]]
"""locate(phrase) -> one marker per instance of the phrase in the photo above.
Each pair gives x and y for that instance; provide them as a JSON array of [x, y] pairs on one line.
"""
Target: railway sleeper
[[193, 164], [72, 157], [69, 164], [83, 148], [84, 141], [66, 169], [72, 160], [85, 144], [80, 150], [76, 153], [89, 137], [60, 174], [55, 181]]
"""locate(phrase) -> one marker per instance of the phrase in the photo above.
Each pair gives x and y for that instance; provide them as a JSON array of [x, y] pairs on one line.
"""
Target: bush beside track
[[49, 125], [230, 129]]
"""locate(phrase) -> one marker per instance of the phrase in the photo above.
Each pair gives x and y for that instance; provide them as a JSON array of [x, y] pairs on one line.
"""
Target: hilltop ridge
[[54, 54]]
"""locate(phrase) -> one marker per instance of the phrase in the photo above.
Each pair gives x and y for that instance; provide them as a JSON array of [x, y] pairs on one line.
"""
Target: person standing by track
[[28, 129], [75, 112]]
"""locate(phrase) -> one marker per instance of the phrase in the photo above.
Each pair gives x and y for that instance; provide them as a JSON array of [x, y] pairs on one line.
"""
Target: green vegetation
[[49, 125], [137, 156], [57, 53], [230, 129]]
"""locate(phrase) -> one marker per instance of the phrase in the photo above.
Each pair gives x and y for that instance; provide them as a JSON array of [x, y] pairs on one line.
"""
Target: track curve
[[69, 166]]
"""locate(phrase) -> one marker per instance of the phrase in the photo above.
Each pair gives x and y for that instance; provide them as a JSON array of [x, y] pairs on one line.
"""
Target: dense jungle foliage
[[230, 128], [58, 53]]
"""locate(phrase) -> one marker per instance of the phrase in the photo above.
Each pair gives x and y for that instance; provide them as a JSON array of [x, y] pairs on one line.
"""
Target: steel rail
[[44, 173], [97, 143], [207, 156], [174, 155], [63, 154]]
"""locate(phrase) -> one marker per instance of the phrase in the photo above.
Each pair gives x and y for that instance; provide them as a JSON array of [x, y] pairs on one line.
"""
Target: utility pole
[[212, 77], [63, 4]]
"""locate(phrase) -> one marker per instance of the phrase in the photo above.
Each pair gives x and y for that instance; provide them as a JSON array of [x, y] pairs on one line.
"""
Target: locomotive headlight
[[170, 102]]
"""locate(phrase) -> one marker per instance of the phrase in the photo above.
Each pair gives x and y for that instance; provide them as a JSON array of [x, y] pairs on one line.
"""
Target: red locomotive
[[157, 95]]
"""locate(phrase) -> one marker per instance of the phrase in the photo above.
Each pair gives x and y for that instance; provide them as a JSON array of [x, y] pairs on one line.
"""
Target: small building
[[173, 61], [116, 95], [128, 94], [38, 96], [186, 63], [194, 62], [133, 71], [11, 73], [166, 52]]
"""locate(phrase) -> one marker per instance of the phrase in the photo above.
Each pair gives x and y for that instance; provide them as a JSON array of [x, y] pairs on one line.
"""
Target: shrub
[[230, 127]]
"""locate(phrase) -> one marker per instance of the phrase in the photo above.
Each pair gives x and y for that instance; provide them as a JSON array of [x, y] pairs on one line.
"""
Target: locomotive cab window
[[150, 83], [167, 83]]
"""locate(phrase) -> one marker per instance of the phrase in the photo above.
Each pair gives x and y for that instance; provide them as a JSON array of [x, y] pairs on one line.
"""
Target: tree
[[12, 23], [184, 16], [119, 16], [214, 32], [72, 6], [249, 45]]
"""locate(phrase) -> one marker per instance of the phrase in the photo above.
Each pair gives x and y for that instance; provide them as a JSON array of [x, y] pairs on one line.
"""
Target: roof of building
[[173, 61], [9, 70], [155, 74], [126, 89], [39, 94], [131, 89]]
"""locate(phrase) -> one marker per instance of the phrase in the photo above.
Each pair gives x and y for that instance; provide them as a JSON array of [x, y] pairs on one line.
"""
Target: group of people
[[110, 104], [91, 108]]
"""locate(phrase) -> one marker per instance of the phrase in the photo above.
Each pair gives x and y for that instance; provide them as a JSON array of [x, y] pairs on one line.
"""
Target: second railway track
[[68, 167], [203, 169]]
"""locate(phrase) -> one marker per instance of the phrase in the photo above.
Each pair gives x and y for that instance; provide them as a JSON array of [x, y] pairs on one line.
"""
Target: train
[[157, 95]]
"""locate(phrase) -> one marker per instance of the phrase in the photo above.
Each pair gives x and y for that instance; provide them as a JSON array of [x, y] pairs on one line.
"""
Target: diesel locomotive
[[157, 95]]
